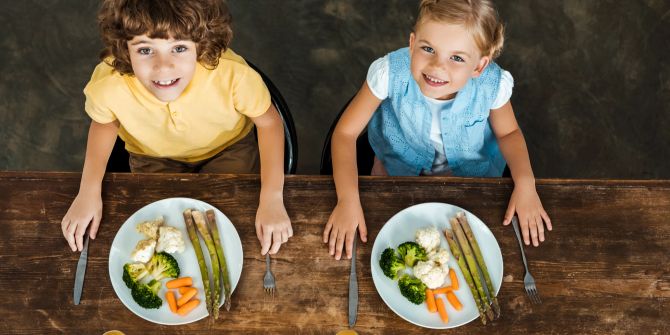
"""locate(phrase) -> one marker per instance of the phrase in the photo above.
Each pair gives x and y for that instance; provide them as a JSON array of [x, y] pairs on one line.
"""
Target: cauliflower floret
[[150, 228], [143, 250], [170, 240], [434, 278], [422, 268], [428, 238], [439, 256]]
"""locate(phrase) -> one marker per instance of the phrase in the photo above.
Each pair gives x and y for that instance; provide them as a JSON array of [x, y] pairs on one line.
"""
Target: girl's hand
[[341, 228], [85, 208], [526, 203], [273, 226]]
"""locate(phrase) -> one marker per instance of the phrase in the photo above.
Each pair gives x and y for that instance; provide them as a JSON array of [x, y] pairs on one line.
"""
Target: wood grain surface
[[603, 270]]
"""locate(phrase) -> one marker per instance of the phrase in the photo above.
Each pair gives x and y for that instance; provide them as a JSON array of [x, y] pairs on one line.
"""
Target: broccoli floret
[[163, 265], [391, 264], [412, 252], [133, 273], [146, 295], [412, 289]]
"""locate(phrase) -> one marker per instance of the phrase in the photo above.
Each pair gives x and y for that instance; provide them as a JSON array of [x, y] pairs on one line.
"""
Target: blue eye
[[457, 59], [144, 51], [428, 50], [180, 48]]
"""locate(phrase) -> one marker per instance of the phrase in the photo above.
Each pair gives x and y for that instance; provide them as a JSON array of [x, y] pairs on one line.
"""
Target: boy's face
[[443, 58], [164, 67]]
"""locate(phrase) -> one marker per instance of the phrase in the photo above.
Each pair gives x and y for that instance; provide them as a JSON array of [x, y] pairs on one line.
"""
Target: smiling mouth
[[165, 83], [432, 81]]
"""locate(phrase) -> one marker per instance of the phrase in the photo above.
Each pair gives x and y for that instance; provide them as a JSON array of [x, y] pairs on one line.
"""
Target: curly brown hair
[[205, 22], [478, 16]]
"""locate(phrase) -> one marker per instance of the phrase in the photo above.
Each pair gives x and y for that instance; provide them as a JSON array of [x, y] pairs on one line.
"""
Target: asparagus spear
[[193, 236], [204, 232], [480, 260], [225, 278], [456, 251], [472, 265]]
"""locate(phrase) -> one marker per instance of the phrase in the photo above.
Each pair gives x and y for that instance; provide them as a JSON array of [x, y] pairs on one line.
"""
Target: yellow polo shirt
[[211, 114]]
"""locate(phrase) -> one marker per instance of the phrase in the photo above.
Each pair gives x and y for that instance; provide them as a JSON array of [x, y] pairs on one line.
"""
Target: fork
[[269, 278], [528, 280]]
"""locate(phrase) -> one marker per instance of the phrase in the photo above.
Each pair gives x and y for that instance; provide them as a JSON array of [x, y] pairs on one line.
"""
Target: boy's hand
[[85, 208], [341, 228], [526, 203], [273, 226]]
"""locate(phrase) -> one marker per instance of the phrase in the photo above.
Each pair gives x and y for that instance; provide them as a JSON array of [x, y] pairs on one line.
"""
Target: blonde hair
[[479, 17]]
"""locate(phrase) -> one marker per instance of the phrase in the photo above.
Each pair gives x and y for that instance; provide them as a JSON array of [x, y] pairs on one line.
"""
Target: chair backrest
[[364, 153], [118, 160]]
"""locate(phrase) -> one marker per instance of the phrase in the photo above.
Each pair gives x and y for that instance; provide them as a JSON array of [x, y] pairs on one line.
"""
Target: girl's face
[[164, 67], [443, 58]]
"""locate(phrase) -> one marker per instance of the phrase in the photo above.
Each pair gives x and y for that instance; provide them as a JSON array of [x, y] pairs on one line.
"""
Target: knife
[[81, 271], [353, 288]]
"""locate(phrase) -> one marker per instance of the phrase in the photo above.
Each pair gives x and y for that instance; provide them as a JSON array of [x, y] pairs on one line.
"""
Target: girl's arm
[[348, 214], [273, 226], [524, 200], [87, 206]]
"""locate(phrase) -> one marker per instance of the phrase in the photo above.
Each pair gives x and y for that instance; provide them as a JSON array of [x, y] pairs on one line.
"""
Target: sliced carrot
[[186, 296], [184, 289], [430, 301], [172, 302], [453, 300], [454, 279], [179, 282], [440, 309], [183, 310], [442, 290]]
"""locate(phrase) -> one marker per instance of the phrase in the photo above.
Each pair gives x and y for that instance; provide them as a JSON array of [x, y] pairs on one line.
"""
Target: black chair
[[364, 152], [118, 160]]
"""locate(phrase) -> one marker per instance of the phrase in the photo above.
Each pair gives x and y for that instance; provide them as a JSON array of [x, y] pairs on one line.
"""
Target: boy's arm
[[348, 215], [273, 226], [87, 206], [524, 200]]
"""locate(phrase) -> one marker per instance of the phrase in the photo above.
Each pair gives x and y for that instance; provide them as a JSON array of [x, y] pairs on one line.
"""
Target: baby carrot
[[430, 301], [454, 279], [453, 300], [440, 309], [179, 282], [441, 290], [183, 310], [172, 302], [184, 289], [186, 296]]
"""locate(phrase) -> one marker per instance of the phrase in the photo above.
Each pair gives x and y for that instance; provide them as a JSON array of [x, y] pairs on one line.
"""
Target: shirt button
[[174, 114]]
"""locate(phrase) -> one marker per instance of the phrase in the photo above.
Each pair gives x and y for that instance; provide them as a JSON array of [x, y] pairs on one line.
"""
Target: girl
[[182, 101], [439, 107]]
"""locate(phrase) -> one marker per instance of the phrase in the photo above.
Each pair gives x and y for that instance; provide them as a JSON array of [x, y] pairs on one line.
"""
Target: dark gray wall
[[592, 90]]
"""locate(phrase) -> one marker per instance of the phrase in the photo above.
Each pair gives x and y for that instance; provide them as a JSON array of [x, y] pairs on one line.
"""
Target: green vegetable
[[480, 260], [146, 295], [412, 289], [193, 236], [412, 252], [163, 265], [225, 278], [391, 264], [133, 273], [204, 232]]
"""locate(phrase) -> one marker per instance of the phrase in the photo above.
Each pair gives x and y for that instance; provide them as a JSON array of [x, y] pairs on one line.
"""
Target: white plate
[[401, 228], [171, 209]]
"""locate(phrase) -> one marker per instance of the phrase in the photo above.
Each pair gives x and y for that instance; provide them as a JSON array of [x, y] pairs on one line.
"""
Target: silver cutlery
[[269, 278], [528, 280], [81, 271], [353, 288]]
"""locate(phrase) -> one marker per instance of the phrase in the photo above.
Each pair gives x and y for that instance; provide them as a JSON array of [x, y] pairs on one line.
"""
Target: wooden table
[[605, 269]]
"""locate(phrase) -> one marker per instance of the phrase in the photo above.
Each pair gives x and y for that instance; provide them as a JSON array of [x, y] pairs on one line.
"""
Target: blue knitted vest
[[399, 130]]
